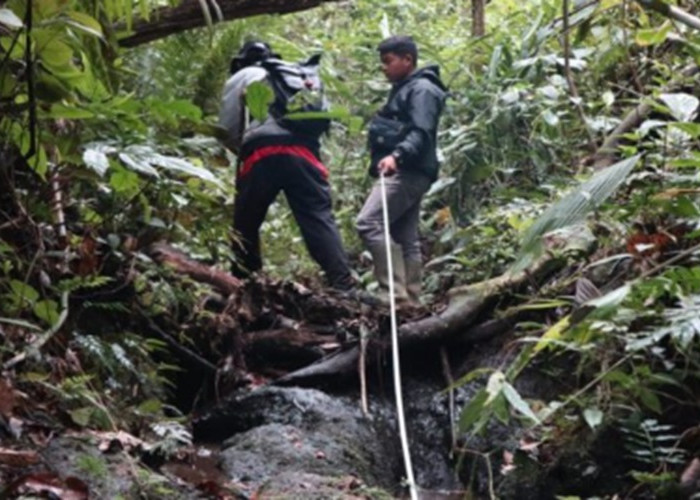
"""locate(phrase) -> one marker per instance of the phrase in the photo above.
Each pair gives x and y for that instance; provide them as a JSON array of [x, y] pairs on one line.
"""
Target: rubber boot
[[381, 272], [414, 274]]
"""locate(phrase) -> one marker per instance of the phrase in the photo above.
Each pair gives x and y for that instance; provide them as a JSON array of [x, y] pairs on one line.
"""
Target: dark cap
[[251, 53], [399, 44]]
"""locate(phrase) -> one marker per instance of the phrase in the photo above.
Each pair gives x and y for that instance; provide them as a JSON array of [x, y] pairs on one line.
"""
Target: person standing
[[403, 147], [273, 157]]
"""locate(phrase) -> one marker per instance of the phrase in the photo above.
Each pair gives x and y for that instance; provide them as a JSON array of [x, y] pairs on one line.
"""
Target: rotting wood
[[466, 304], [165, 254]]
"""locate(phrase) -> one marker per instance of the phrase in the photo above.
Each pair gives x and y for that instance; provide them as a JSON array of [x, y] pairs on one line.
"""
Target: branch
[[466, 304], [45, 337], [570, 77], [604, 155], [30, 87], [164, 254], [671, 11], [184, 351], [190, 14]]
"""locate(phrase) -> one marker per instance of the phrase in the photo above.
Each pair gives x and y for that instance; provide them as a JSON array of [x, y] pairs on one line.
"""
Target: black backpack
[[298, 90]]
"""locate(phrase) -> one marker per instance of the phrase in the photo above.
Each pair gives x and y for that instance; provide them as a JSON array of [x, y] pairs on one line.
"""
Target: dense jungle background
[[561, 248]]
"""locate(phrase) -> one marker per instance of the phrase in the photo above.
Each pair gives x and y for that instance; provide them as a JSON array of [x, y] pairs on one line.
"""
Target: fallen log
[[197, 13], [167, 255], [286, 348], [338, 363], [466, 304]]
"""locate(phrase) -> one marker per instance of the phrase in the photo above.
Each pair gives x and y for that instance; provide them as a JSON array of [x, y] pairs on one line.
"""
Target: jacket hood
[[430, 73]]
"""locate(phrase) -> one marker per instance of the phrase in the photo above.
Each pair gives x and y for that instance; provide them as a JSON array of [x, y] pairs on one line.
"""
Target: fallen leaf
[[124, 440], [508, 464], [48, 483]]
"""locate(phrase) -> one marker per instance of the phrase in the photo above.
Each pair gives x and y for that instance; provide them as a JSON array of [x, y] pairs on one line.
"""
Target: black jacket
[[417, 101]]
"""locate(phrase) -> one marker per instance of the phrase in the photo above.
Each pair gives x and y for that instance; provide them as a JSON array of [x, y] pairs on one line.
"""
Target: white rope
[[395, 349]]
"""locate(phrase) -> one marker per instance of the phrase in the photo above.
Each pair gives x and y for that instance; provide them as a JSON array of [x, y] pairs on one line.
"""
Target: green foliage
[[258, 98], [128, 137], [572, 209], [652, 443]]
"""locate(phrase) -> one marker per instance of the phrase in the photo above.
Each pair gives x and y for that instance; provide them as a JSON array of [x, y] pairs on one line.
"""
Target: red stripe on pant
[[266, 151]]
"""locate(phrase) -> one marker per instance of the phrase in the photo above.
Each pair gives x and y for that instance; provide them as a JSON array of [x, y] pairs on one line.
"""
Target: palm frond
[[572, 208]]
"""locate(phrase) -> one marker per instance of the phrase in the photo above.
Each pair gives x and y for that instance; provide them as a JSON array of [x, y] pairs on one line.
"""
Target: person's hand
[[387, 165]]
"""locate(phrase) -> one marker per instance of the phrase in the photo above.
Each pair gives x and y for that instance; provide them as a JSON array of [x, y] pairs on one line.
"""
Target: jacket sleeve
[[424, 106]]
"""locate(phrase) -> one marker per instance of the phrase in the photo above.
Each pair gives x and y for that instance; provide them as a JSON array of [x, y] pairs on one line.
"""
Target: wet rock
[[315, 487], [107, 475], [428, 423], [291, 431]]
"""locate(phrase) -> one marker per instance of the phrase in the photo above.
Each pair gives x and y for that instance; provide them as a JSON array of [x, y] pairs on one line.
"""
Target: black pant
[[309, 197]]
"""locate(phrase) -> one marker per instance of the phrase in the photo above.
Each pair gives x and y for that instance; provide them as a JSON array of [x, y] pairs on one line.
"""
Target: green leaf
[[692, 129], [85, 23], [185, 109], [472, 375], [553, 333], [500, 409], [573, 208], [96, 160], [517, 402], [68, 112], [334, 114], [593, 417], [650, 400], [10, 19], [124, 182], [55, 55], [610, 301], [82, 416], [39, 162], [473, 411], [136, 161], [258, 97], [653, 36], [23, 293], [180, 165], [20, 323], [47, 310], [150, 407], [682, 106], [494, 386]]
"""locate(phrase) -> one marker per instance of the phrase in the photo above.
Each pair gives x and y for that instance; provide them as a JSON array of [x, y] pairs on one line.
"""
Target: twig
[[672, 12], [447, 373], [570, 78], [362, 367], [184, 351], [44, 338], [30, 87], [9, 52], [672, 260], [489, 468], [584, 389]]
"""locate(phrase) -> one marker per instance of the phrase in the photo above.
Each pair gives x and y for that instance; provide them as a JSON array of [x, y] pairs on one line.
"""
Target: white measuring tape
[[395, 349]]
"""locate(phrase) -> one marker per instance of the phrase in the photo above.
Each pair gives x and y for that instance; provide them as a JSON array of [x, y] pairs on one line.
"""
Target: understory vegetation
[[105, 151]]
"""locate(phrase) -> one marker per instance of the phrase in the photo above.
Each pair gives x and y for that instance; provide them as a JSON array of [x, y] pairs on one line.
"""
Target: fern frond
[[653, 443], [72, 284]]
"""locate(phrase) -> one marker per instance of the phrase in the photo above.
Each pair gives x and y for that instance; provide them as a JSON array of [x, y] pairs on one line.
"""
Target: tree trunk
[[190, 14], [478, 18]]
